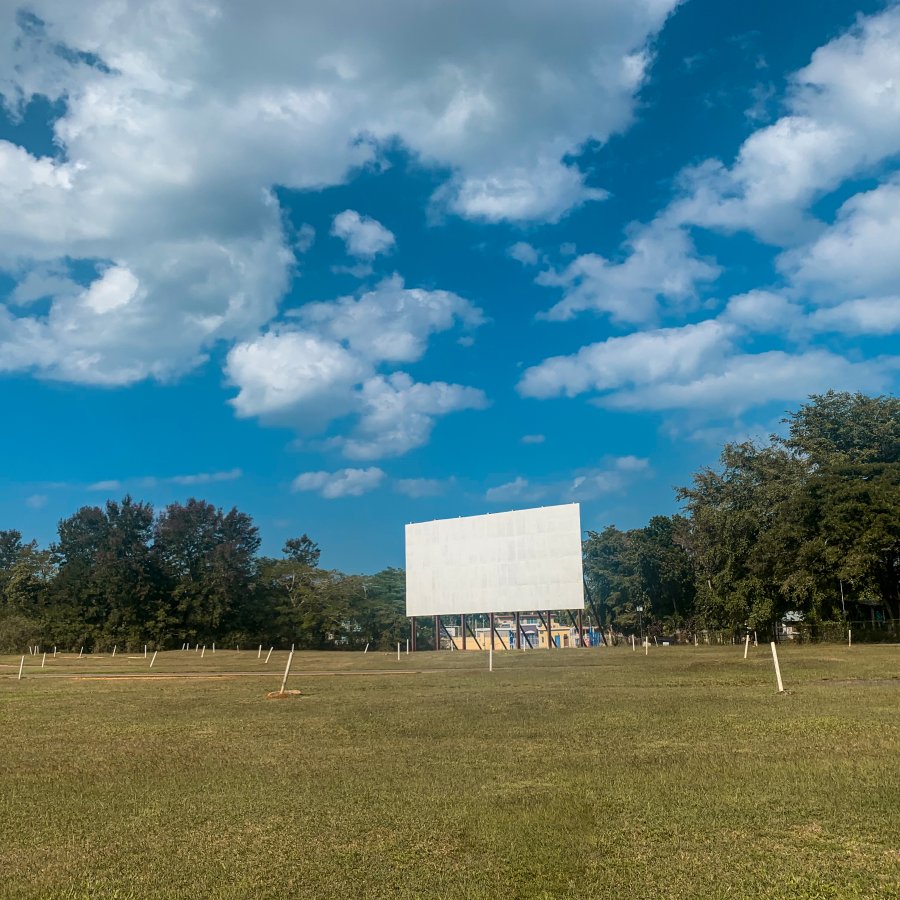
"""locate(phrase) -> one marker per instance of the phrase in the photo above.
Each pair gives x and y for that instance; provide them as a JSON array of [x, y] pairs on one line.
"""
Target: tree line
[[808, 523], [121, 574]]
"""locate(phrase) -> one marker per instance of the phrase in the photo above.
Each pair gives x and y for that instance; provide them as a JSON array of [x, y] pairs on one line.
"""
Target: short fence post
[[269, 653], [746, 644], [21, 666], [777, 669], [287, 669], [154, 658]]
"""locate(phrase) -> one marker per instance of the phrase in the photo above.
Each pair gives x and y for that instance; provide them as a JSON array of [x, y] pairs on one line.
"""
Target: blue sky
[[357, 266]]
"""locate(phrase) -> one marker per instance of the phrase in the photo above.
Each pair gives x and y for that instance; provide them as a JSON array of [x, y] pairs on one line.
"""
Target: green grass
[[577, 773]]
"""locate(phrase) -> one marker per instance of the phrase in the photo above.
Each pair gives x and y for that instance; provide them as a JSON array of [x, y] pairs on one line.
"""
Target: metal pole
[[462, 620], [412, 643], [492, 632], [580, 629], [437, 632], [549, 631], [518, 634]]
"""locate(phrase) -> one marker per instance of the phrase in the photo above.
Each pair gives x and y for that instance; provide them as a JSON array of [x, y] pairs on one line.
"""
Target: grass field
[[575, 773]]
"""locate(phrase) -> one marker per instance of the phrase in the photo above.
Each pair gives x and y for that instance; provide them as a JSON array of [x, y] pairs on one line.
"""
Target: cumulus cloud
[[343, 483], [747, 380], [519, 490], [698, 366], [363, 236], [613, 475], [856, 255], [397, 414], [150, 481], [533, 439], [325, 365], [869, 315], [647, 357], [763, 312], [660, 267], [420, 487], [843, 119], [180, 118], [524, 253]]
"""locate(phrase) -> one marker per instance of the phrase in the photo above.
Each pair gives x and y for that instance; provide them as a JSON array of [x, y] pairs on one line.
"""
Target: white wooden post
[[398, 651], [367, 649], [633, 648], [54, 652], [203, 652], [755, 642], [21, 666], [292, 648], [646, 646], [145, 651], [115, 647], [214, 648], [695, 640], [80, 652], [287, 669], [407, 645], [154, 658], [259, 655], [269, 653], [777, 669], [44, 660], [849, 637], [746, 644]]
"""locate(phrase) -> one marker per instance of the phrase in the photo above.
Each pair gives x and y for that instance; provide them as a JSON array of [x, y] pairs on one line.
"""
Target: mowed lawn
[[572, 773]]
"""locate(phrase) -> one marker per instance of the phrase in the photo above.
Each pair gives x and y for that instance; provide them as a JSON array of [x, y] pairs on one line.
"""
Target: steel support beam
[[412, 634], [462, 628]]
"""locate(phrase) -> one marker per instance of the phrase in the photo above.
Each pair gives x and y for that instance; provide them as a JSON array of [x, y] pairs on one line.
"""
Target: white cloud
[[206, 477], [343, 483], [284, 373], [398, 414], [109, 484], [36, 501], [843, 119], [660, 266], [419, 487], [391, 323], [362, 235], [151, 481], [857, 255], [181, 117], [546, 190], [700, 367], [647, 357], [327, 366], [763, 312], [744, 381], [870, 315], [614, 475], [519, 490], [524, 253], [533, 439]]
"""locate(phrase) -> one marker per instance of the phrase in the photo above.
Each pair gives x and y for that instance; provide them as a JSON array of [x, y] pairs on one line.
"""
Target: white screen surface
[[519, 561]]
